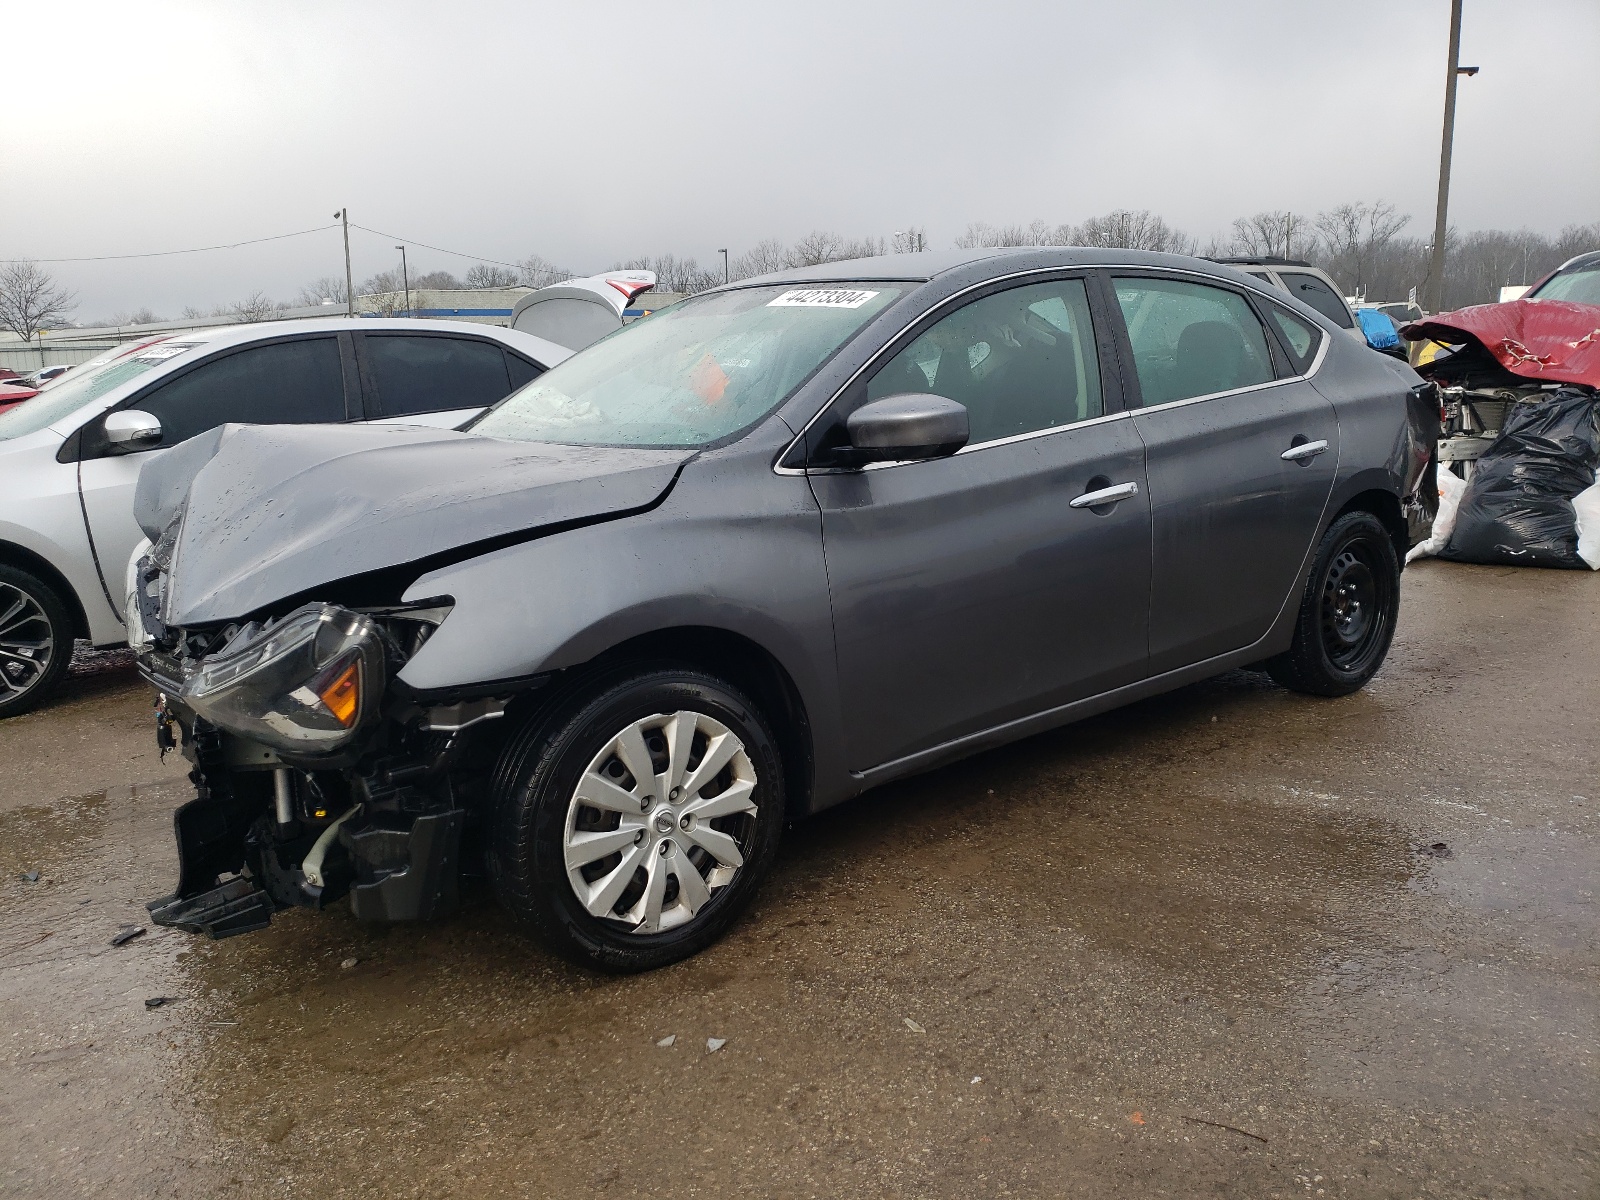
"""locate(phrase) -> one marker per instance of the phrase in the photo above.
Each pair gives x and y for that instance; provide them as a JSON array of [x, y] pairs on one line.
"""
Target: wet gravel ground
[[1228, 942]]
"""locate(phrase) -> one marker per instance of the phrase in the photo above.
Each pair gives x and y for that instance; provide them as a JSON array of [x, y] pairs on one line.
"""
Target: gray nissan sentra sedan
[[743, 560]]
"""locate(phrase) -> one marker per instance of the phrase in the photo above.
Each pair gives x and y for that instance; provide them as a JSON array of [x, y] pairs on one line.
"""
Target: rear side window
[[416, 374], [1190, 339], [521, 370], [1308, 289], [1300, 336], [286, 383]]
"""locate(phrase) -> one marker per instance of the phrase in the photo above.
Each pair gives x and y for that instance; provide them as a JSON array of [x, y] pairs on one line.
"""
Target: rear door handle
[[1304, 451], [1108, 495]]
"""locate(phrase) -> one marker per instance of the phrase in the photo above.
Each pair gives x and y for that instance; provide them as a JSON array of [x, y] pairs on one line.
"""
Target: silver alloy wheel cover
[[27, 645], [659, 820]]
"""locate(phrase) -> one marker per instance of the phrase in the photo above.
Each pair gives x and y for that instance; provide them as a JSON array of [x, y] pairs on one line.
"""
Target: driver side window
[[1021, 360]]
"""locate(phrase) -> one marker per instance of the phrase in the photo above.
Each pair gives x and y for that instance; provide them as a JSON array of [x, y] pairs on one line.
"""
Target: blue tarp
[[1378, 328]]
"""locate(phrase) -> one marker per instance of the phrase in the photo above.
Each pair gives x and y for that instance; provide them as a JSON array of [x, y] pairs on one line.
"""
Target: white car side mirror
[[130, 429]]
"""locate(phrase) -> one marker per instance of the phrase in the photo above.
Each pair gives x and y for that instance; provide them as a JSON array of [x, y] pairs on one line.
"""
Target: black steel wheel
[[35, 641], [1347, 615]]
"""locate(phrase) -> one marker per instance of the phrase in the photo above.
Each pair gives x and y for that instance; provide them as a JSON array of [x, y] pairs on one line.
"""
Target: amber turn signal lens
[[343, 694]]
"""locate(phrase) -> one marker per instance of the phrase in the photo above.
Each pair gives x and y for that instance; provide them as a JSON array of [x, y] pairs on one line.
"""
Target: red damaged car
[[1504, 353], [12, 394]]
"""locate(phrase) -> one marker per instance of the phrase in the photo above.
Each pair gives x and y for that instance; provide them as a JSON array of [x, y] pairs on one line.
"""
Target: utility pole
[[405, 278], [724, 254], [1434, 300], [349, 288]]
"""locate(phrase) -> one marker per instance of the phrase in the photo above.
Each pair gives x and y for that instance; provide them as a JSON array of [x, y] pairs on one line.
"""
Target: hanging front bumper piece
[[311, 782]]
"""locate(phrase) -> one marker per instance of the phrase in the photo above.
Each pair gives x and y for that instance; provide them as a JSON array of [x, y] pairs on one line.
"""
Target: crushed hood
[[1552, 341], [270, 511]]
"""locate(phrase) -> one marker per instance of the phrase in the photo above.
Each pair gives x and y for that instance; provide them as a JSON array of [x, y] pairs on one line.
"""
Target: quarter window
[[1020, 360], [1300, 336], [286, 383], [1308, 289], [1190, 339], [435, 374]]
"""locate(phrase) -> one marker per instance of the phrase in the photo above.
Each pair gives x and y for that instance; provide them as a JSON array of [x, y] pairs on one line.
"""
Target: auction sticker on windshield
[[822, 298], [162, 353]]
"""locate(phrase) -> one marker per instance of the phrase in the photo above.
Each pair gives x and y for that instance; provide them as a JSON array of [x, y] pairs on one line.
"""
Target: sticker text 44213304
[[822, 298]]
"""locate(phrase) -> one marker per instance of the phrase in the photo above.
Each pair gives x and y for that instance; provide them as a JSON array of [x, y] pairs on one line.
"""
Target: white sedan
[[69, 458]]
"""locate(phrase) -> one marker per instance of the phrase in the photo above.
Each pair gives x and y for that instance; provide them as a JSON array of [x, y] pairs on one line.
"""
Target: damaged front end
[[318, 774], [1490, 359]]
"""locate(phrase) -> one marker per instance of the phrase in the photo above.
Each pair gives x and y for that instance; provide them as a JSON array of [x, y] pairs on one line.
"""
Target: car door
[[288, 381], [436, 379], [969, 591], [1241, 452]]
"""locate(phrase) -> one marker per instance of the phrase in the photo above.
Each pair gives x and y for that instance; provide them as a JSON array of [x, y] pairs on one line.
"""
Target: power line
[[457, 253], [277, 237]]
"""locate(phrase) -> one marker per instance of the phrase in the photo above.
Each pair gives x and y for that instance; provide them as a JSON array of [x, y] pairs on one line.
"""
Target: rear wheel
[[35, 641], [634, 823], [1347, 615]]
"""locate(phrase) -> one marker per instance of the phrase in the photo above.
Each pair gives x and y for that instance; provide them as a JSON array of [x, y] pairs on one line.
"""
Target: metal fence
[[31, 356]]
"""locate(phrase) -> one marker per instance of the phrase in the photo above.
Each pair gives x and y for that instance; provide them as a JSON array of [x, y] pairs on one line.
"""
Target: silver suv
[[1308, 284]]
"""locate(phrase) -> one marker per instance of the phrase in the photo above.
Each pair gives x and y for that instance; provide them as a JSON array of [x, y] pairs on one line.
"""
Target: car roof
[[922, 267], [200, 343], [1262, 260], [217, 337]]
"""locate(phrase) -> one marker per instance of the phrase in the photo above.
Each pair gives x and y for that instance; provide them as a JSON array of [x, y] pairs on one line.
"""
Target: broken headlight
[[303, 685]]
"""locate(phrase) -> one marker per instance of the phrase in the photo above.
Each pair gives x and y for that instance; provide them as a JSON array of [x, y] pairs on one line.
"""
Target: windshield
[[691, 374], [1581, 285], [83, 385]]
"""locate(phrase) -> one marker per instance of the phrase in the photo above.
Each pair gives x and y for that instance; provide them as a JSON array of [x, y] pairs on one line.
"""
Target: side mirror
[[911, 425], [129, 429]]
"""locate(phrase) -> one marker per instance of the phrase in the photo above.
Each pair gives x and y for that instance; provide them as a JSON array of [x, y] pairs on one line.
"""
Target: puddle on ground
[[1188, 947], [1087, 925]]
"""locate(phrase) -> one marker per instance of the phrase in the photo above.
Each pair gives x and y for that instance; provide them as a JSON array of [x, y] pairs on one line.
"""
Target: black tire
[[35, 641], [1347, 616], [535, 792]]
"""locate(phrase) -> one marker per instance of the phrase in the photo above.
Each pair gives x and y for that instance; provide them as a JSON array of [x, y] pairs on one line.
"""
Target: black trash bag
[[1517, 509]]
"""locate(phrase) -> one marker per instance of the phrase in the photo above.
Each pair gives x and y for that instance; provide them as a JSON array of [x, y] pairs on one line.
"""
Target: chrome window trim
[[1264, 291], [1031, 435]]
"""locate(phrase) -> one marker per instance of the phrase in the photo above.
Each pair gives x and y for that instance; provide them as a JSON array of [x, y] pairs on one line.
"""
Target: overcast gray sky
[[591, 133]]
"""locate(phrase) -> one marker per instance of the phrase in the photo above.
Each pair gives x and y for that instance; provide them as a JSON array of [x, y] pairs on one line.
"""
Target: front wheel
[[634, 824], [35, 641], [1348, 613]]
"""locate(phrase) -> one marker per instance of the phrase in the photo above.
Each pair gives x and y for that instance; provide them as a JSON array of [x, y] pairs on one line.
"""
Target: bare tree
[[1126, 229], [1279, 234], [30, 300], [675, 274], [1353, 237], [439, 281], [255, 307], [911, 241], [980, 234], [1035, 233], [322, 290], [763, 258], [383, 294], [139, 316], [486, 275], [815, 248], [820, 246], [538, 272]]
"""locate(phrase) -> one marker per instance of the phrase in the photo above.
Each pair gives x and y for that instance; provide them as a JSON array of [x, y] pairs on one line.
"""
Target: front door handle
[[1304, 451], [1109, 495]]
